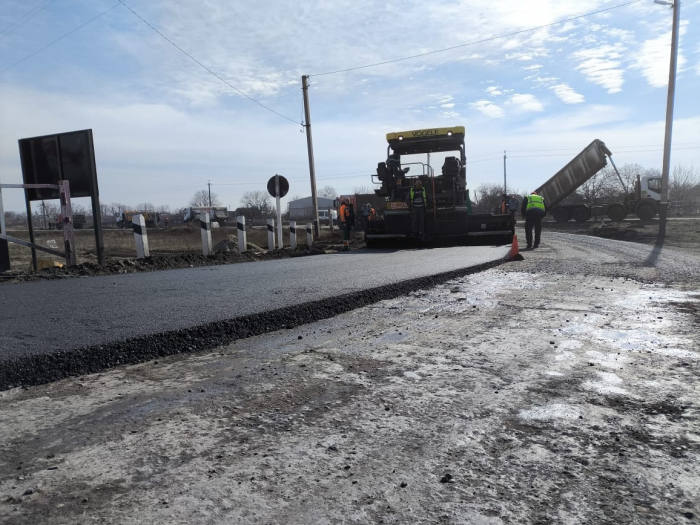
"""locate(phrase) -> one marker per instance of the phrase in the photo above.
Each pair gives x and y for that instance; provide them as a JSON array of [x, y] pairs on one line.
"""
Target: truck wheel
[[617, 212], [561, 215], [582, 214], [646, 211]]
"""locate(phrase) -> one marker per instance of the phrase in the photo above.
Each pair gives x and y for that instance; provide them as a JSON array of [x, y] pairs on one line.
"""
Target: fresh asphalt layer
[[52, 316]]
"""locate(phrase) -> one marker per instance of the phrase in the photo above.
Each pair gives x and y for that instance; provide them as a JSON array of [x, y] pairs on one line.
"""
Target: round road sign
[[284, 186]]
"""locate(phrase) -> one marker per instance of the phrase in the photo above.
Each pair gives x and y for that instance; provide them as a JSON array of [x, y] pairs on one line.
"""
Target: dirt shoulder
[[172, 257], [681, 233], [510, 396]]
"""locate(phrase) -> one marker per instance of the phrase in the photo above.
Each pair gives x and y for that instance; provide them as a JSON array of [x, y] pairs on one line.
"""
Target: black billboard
[[64, 156]]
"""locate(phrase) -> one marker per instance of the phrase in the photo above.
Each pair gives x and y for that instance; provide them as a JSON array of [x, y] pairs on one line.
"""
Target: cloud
[[533, 67], [494, 91], [653, 59], [525, 103], [487, 108], [601, 65], [450, 105], [567, 94]]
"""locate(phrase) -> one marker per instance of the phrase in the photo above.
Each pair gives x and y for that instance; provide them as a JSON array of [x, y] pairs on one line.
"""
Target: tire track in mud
[[45, 368]]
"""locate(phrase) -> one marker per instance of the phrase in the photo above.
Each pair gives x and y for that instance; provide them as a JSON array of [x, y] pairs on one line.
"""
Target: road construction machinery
[[643, 202], [216, 213], [125, 218], [449, 213]]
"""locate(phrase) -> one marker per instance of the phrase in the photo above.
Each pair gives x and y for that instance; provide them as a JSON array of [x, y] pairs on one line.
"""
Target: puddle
[[604, 388], [550, 412], [571, 344]]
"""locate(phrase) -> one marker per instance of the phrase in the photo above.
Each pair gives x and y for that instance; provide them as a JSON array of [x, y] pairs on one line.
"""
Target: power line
[[205, 67], [61, 37], [34, 11], [483, 40]]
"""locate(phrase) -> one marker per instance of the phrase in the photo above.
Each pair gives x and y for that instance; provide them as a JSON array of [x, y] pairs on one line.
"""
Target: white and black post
[[293, 235], [140, 236], [270, 235], [205, 228], [240, 225], [309, 233]]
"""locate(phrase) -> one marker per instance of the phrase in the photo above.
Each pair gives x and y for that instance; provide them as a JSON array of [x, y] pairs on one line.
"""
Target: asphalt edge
[[46, 368]]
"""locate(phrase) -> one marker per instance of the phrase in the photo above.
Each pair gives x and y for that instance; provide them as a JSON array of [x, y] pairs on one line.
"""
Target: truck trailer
[[643, 202], [449, 213], [216, 213]]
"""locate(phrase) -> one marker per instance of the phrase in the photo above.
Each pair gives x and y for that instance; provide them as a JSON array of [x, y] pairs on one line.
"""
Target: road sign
[[283, 186]]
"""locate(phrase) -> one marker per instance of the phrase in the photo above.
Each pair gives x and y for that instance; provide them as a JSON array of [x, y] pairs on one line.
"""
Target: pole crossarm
[[31, 186], [31, 245]]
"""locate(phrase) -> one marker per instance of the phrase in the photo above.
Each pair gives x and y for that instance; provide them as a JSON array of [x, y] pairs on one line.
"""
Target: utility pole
[[209, 184], [663, 212], [505, 187], [310, 146]]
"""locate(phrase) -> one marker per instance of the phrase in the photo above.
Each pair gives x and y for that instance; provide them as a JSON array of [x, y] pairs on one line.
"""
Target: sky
[[164, 126]]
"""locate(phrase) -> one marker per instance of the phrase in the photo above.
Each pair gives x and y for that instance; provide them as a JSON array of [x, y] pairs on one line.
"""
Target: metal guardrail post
[[242, 241], [205, 228], [271, 235], [140, 236], [293, 235]]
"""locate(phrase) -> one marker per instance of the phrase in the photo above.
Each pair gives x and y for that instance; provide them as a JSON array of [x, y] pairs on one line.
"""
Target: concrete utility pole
[[505, 186], [310, 145], [209, 184], [663, 212]]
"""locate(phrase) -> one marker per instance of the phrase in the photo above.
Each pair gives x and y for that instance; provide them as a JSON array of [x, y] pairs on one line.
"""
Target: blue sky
[[163, 126]]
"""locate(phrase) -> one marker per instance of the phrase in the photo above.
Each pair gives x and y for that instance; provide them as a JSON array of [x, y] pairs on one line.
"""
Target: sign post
[[280, 240], [278, 187]]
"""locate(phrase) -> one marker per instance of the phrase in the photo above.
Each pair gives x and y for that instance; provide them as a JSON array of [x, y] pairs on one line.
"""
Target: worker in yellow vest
[[417, 202], [534, 209]]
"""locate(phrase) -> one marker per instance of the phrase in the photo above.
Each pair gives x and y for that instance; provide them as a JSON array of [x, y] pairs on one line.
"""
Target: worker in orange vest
[[347, 219]]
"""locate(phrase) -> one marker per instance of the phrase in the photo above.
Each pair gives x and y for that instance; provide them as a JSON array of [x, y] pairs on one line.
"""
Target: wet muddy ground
[[559, 389]]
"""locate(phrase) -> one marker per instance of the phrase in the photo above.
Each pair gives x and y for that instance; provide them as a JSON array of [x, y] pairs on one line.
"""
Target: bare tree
[[146, 206], [487, 198], [684, 183], [362, 190], [201, 198], [258, 202], [328, 192]]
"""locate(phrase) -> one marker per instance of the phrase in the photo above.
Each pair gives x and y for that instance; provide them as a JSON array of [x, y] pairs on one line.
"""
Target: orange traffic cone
[[514, 250]]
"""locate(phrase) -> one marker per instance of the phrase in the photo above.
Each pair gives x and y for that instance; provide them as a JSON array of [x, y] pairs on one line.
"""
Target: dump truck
[[643, 202], [79, 222], [449, 213], [216, 213], [125, 218]]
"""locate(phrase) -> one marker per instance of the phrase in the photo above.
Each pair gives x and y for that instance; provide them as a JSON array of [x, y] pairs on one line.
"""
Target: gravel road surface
[[564, 388], [46, 317]]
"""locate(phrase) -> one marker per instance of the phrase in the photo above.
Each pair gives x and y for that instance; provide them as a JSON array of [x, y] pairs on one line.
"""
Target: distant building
[[304, 208]]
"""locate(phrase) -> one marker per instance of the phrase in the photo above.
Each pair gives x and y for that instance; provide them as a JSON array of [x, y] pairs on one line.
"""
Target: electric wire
[[205, 67], [474, 42], [60, 38], [32, 13]]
